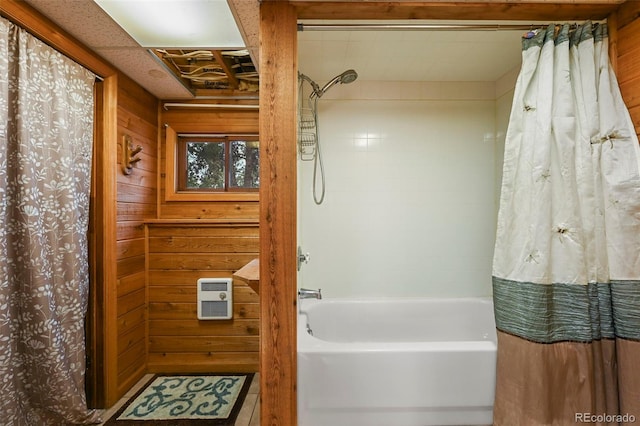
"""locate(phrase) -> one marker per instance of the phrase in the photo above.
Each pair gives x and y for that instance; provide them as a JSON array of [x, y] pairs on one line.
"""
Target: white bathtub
[[396, 362]]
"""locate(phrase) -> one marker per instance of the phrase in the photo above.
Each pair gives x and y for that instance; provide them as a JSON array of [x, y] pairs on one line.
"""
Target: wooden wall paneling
[[559, 10], [201, 261], [178, 255], [135, 211], [207, 344], [164, 277], [130, 265], [146, 295], [185, 293], [131, 283], [127, 340], [278, 202], [635, 118], [195, 362], [168, 182], [142, 105], [131, 319], [106, 218], [127, 376], [130, 302], [101, 326], [628, 12], [130, 248], [193, 120], [630, 92], [130, 193], [197, 228], [94, 321], [136, 202], [629, 38], [175, 310], [628, 71], [628, 64], [133, 349], [209, 245], [130, 230], [196, 328], [238, 210]]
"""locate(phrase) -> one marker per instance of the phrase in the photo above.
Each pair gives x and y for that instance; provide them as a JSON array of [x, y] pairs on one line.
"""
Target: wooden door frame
[[278, 192], [102, 316]]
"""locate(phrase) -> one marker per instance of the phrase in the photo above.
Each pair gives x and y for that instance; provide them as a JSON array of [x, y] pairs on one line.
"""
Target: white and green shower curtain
[[566, 272]]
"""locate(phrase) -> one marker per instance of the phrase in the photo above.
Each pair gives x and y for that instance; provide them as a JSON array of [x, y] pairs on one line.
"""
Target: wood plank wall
[[180, 254], [628, 61], [205, 121], [136, 202], [197, 239]]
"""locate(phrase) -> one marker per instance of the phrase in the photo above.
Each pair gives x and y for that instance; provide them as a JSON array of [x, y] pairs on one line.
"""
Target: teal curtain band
[[554, 313], [625, 297], [600, 32], [538, 39], [582, 33], [565, 33]]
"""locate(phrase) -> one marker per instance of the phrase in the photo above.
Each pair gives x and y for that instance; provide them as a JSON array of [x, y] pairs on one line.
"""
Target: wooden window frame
[[173, 168]]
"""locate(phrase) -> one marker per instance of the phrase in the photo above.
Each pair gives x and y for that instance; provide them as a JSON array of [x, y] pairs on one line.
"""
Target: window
[[211, 167], [218, 164]]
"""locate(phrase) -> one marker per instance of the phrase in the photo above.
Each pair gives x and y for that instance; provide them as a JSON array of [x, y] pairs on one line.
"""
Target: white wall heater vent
[[215, 298]]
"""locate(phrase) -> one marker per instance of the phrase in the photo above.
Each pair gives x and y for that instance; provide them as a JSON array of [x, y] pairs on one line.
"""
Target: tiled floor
[[249, 413]]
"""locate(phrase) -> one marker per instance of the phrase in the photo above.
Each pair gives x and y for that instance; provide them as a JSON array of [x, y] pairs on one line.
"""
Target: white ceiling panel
[[410, 55]]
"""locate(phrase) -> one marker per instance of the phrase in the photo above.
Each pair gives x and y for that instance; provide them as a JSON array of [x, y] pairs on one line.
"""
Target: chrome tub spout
[[305, 293]]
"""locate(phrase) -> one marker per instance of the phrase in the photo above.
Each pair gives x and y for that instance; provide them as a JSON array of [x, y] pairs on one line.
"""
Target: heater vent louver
[[215, 298]]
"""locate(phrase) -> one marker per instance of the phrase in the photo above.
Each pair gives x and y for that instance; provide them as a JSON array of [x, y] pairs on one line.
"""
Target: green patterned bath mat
[[186, 400]]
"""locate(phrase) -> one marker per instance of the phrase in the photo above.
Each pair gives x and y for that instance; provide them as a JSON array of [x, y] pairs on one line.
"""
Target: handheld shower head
[[349, 76]]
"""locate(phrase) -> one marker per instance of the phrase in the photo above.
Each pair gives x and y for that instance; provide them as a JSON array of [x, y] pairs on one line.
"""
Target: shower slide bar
[[420, 27]]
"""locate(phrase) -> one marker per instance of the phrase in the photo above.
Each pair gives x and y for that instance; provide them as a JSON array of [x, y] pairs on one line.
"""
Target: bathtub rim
[[310, 344]]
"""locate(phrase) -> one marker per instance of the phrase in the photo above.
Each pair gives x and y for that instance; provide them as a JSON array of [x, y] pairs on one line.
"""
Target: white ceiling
[[375, 55], [92, 26], [413, 55]]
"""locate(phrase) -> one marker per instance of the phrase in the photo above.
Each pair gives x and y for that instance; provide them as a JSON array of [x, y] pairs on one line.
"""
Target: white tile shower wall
[[410, 192]]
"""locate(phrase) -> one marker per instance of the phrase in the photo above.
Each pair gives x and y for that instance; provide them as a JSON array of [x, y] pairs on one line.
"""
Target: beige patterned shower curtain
[[567, 257], [46, 134]]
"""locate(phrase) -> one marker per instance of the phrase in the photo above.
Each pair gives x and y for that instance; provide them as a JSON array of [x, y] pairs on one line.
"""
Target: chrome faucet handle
[[302, 257]]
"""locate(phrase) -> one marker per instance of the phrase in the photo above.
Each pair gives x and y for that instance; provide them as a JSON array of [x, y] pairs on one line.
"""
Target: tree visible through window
[[218, 164], [245, 164]]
